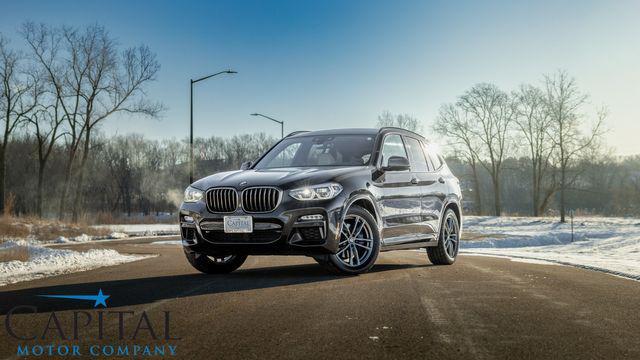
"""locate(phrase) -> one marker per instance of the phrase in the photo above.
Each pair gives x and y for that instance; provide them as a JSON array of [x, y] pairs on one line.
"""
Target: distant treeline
[[126, 174], [608, 186], [133, 175]]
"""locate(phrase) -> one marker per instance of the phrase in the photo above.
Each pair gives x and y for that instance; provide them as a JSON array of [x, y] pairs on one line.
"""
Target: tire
[[446, 252], [356, 254], [214, 265]]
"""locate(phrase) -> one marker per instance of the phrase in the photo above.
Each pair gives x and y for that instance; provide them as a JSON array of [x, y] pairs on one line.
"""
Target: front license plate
[[238, 224]]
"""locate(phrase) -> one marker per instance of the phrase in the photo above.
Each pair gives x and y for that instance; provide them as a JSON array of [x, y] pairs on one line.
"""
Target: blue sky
[[325, 64]]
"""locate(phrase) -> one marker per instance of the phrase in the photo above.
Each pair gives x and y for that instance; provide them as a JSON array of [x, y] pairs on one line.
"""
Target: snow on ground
[[143, 229], [607, 244], [118, 235], [78, 239], [86, 238], [44, 262], [167, 242]]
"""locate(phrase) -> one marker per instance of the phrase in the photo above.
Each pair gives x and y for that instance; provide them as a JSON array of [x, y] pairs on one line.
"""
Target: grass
[[472, 236], [42, 229], [10, 229], [20, 253], [106, 218]]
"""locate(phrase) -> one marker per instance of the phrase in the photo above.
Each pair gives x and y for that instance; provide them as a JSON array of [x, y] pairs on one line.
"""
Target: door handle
[[414, 181], [441, 180]]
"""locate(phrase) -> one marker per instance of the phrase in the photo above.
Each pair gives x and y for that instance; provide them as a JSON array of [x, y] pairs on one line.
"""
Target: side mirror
[[397, 163], [246, 165]]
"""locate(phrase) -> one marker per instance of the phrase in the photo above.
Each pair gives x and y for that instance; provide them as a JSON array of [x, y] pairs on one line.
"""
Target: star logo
[[99, 299]]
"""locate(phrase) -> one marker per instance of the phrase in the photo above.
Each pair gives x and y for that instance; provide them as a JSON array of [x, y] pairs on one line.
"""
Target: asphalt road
[[288, 307]]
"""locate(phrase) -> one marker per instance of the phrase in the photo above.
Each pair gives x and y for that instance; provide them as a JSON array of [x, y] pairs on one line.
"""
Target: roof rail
[[297, 132], [398, 128]]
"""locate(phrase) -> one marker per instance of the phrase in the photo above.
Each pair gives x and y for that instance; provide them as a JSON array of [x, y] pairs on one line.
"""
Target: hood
[[285, 178]]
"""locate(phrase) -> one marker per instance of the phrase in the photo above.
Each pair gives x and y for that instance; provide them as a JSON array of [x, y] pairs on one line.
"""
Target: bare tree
[[115, 84], [490, 112], [16, 100], [65, 66], [92, 81], [533, 120], [245, 147], [455, 125], [564, 103], [46, 123], [403, 121]]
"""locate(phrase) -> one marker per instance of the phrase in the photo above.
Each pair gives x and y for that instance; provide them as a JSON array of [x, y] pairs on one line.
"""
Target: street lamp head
[[254, 114], [231, 72]]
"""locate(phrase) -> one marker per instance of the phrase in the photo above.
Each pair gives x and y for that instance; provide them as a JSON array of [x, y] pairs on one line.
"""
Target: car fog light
[[311, 217]]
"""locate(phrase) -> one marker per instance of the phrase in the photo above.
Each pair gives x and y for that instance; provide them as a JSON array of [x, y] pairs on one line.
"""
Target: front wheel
[[446, 251], [214, 264], [359, 244]]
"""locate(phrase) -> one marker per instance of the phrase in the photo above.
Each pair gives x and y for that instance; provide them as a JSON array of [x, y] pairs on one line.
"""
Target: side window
[[392, 146], [416, 155], [436, 163]]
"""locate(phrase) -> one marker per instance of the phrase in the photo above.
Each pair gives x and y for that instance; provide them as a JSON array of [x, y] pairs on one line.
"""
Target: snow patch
[[61, 240], [606, 244], [167, 242], [45, 262], [143, 229], [118, 235], [78, 239]]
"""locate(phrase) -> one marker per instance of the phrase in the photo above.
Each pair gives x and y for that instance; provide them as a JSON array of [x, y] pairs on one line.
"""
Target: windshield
[[312, 151]]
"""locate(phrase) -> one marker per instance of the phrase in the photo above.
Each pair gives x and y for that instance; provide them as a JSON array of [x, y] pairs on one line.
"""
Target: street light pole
[[272, 119], [191, 164], [191, 133]]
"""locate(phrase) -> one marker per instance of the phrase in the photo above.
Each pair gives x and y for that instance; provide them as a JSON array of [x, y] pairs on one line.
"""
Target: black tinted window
[[416, 155], [310, 151]]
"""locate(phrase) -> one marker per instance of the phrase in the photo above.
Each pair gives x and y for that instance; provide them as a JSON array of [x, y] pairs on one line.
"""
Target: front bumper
[[280, 232]]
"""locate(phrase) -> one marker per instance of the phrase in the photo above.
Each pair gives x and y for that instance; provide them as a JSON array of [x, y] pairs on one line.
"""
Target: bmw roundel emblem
[[243, 183]]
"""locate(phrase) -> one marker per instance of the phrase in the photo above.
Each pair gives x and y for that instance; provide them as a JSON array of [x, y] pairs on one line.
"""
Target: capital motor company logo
[[97, 332]]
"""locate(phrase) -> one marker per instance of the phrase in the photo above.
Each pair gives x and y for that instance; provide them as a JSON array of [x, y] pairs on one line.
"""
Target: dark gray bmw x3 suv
[[339, 196]]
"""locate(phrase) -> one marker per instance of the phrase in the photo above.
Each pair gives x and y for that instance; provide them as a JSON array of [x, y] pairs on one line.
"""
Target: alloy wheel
[[221, 259], [450, 236], [356, 241]]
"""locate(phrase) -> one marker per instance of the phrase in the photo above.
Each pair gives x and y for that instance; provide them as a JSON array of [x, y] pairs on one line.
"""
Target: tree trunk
[[81, 170], [3, 148], [496, 197], [545, 201], [476, 189], [81, 173], [535, 189], [77, 199], [562, 197], [40, 188], [62, 206]]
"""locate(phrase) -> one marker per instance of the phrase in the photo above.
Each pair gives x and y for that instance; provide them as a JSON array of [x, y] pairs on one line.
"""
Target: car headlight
[[192, 195], [316, 192]]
